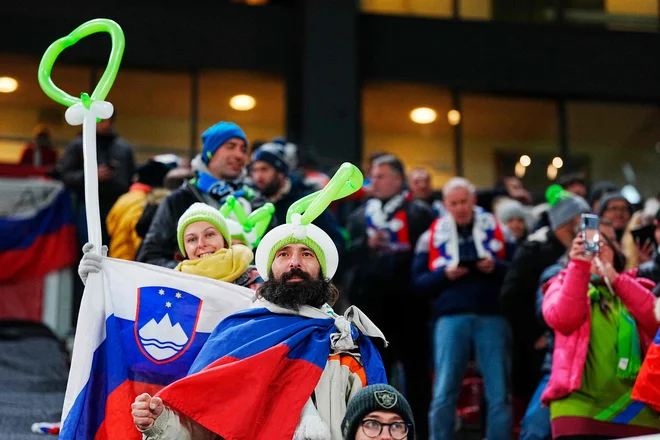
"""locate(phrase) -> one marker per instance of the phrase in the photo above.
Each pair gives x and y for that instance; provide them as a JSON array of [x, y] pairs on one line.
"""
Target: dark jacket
[[651, 270], [546, 276], [476, 292], [377, 277], [112, 151], [518, 301]]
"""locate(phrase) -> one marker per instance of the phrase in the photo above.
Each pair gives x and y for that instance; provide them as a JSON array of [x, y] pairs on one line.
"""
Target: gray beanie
[[566, 210], [510, 209], [378, 397], [607, 198]]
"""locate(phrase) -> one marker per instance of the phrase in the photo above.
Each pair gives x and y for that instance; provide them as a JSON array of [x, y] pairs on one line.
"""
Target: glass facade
[[388, 126]]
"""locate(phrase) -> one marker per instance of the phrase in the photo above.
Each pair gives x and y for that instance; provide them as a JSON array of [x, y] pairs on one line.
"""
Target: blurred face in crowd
[[266, 178], [578, 189], [657, 232], [386, 182], [420, 184], [229, 160], [104, 126], [517, 227], [202, 239], [618, 213], [459, 203], [371, 424]]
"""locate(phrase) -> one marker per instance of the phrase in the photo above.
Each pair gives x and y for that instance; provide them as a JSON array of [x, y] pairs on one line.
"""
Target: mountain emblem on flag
[[165, 322]]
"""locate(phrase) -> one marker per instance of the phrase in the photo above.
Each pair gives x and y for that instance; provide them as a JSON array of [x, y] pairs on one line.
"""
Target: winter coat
[[121, 221], [567, 310]]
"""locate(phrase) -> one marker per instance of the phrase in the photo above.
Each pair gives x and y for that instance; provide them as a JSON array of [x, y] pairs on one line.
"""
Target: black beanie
[[378, 397]]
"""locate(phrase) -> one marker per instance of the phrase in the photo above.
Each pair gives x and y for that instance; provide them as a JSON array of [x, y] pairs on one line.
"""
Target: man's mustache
[[295, 272]]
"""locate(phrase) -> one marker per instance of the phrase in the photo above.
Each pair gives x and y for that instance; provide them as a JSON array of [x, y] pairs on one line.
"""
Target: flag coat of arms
[[140, 328]]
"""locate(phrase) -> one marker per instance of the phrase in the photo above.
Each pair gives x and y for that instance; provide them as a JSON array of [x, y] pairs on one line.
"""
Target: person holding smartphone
[[651, 269], [603, 322]]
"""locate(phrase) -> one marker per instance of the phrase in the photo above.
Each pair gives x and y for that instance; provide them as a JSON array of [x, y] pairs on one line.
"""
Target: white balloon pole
[[75, 115]]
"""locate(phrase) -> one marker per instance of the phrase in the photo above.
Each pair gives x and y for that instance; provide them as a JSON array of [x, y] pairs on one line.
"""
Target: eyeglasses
[[373, 428], [621, 209]]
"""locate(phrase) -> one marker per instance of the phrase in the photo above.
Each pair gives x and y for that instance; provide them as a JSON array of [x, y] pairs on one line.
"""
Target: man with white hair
[[459, 265]]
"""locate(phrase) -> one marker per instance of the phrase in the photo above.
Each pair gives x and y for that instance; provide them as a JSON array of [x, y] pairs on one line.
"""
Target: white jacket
[[342, 377]]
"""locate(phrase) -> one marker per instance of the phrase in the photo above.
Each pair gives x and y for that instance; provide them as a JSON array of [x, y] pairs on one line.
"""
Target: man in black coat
[[383, 233]]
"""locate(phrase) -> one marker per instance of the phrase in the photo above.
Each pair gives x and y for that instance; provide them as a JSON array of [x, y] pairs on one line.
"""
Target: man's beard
[[293, 295], [272, 188]]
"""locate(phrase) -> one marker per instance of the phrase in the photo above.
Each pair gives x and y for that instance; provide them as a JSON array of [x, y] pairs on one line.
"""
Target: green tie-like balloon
[[258, 220], [54, 50], [347, 180]]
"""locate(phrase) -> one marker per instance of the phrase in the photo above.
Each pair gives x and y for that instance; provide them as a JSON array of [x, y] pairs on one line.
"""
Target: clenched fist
[[146, 410]]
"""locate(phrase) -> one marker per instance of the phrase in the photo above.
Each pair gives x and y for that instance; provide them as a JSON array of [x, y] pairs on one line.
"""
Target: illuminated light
[[520, 170], [552, 172], [423, 115], [557, 162], [8, 84], [242, 102], [454, 117], [525, 160]]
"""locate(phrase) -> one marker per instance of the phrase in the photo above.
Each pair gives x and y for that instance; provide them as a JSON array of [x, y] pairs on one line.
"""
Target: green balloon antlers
[[258, 220], [345, 182], [108, 78]]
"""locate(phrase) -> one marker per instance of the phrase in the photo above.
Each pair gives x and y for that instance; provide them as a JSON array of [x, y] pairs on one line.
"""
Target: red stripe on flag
[[258, 398], [46, 254], [118, 422], [647, 385]]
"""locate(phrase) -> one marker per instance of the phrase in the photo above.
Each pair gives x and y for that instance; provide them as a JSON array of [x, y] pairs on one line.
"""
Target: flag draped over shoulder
[[647, 385], [257, 370], [140, 328]]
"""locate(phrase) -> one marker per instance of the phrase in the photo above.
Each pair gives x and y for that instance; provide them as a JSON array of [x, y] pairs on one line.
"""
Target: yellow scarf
[[224, 265]]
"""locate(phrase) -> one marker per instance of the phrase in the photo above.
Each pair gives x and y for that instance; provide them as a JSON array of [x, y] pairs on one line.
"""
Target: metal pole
[[458, 134]]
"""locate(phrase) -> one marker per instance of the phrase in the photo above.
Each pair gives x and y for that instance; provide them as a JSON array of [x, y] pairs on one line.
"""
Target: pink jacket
[[567, 310]]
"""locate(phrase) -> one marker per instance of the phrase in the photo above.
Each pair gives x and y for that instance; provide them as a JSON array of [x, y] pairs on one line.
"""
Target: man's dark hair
[[392, 161], [571, 179]]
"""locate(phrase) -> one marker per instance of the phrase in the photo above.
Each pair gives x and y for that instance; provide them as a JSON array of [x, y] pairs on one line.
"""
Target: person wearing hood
[[616, 209], [512, 215], [219, 172]]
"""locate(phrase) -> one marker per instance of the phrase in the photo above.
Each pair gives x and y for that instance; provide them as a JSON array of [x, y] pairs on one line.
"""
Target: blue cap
[[217, 135]]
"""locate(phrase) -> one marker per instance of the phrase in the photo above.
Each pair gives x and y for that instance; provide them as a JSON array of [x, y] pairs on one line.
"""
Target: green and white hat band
[[201, 212]]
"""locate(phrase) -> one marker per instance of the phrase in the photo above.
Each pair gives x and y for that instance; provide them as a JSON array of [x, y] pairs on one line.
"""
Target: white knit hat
[[298, 228]]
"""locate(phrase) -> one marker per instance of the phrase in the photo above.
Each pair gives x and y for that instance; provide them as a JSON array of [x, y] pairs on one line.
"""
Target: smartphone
[[590, 233], [644, 234]]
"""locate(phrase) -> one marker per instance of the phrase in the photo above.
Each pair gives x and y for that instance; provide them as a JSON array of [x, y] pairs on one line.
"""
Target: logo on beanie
[[386, 399]]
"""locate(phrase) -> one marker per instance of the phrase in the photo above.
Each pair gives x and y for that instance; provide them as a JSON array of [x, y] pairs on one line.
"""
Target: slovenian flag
[[647, 385], [256, 372], [140, 328], [36, 227]]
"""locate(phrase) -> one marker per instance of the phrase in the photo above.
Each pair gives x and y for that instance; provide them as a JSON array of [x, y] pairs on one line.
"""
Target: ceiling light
[[525, 160], [242, 102], [557, 162], [8, 84], [520, 170], [552, 172], [423, 115], [454, 117]]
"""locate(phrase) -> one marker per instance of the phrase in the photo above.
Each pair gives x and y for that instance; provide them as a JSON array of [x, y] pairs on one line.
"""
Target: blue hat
[[274, 155], [217, 135]]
